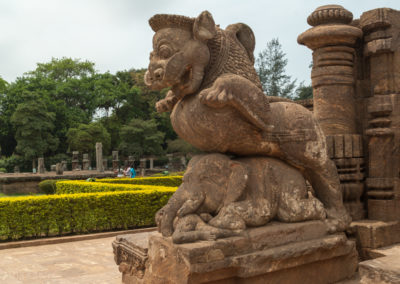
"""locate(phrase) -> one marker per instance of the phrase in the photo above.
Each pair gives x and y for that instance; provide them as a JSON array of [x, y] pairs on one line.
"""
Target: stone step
[[383, 269]]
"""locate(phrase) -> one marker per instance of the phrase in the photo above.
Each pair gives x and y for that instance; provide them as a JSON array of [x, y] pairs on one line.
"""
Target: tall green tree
[[303, 92], [84, 137], [34, 125], [270, 66], [141, 137]]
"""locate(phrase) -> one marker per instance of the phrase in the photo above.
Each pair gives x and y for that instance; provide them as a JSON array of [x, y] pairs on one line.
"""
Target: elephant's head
[[210, 182]]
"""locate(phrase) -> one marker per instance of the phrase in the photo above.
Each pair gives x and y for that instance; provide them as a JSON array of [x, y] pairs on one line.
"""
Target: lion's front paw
[[216, 96], [166, 104]]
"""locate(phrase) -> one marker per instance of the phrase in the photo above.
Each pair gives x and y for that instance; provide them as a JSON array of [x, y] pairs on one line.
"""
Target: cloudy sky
[[114, 34]]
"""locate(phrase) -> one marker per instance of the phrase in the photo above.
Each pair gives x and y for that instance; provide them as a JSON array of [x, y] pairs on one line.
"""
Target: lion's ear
[[204, 27]]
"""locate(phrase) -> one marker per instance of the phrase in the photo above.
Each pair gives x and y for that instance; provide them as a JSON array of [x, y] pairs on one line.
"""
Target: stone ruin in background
[[218, 217]]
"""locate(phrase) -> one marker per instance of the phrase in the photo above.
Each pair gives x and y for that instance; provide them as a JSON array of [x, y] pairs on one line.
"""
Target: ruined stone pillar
[[142, 166], [59, 169], [382, 56], [64, 165], [105, 164], [115, 160], [99, 157], [151, 162], [334, 40], [75, 160], [85, 162], [41, 168]]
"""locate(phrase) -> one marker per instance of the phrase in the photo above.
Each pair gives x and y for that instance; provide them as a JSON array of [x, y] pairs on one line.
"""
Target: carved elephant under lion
[[218, 105], [220, 196]]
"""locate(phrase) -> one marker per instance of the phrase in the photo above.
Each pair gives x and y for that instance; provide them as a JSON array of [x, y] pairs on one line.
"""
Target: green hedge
[[77, 186], [161, 181], [52, 215]]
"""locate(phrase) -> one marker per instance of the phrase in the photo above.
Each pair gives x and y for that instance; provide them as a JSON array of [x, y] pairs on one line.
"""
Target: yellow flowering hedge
[[161, 181], [52, 215], [77, 186]]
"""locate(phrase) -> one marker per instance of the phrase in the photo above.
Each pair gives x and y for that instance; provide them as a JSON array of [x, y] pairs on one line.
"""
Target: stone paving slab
[[90, 261]]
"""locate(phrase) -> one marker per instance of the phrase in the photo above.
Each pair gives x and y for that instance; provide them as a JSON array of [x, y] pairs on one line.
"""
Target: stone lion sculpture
[[218, 105], [220, 196]]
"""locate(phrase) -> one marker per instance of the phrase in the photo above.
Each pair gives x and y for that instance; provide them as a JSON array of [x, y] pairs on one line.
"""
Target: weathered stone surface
[[99, 157], [261, 255], [240, 193], [41, 168], [218, 105], [59, 169], [383, 270], [375, 234]]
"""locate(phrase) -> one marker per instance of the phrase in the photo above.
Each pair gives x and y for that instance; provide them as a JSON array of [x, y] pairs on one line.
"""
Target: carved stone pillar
[[99, 157], [85, 162], [382, 53], [333, 41], [115, 160], [41, 168], [75, 160]]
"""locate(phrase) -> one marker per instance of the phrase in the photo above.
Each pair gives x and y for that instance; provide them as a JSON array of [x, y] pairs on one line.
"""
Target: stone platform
[[385, 268], [277, 253]]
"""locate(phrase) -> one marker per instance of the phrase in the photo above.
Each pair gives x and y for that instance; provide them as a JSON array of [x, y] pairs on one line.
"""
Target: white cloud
[[115, 34]]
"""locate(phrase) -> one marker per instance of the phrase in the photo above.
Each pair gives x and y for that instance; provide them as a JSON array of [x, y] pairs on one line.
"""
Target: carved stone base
[[372, 234], [277, 253]]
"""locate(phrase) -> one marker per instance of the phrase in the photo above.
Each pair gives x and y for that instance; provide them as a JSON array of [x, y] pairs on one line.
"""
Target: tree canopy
[[270, 66]]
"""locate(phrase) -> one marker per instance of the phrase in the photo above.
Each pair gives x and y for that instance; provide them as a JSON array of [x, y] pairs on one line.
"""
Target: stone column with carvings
[[381, 29], [334, 40], [99, 157]]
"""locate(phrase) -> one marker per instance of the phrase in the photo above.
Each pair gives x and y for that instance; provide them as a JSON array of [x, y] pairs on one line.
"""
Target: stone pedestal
[[277, 253], [371, 234], [41, 168]]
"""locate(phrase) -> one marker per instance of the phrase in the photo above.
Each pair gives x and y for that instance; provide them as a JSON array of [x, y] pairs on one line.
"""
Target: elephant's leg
[[237, 215], [294, 208], [192, 228]]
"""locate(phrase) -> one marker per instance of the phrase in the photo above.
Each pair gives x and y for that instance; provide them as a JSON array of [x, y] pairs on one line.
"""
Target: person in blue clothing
[[132, 172]]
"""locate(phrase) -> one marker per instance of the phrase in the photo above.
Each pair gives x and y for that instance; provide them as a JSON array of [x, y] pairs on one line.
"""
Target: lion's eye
[[164, 51]]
